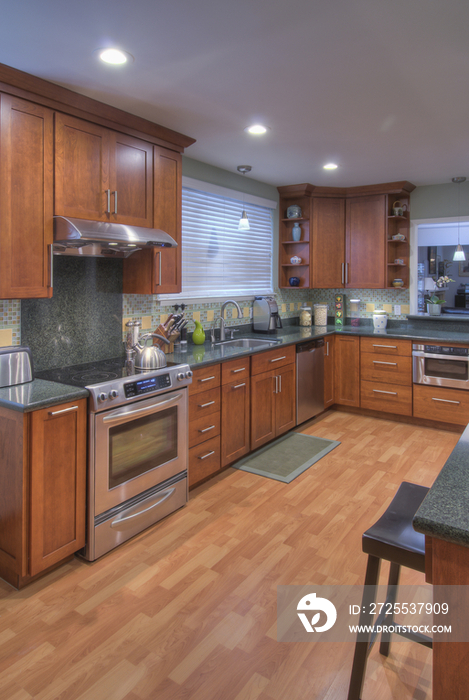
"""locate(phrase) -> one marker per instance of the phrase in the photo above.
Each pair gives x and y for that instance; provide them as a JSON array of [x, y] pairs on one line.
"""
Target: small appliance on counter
[[16, 365], [265, 315]]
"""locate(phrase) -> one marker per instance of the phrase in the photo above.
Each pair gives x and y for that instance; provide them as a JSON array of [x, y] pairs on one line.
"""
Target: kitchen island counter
[[37, 394]]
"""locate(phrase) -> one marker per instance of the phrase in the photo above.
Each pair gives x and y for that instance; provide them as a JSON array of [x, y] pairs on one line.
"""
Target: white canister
[[380, 319], [320, 314]]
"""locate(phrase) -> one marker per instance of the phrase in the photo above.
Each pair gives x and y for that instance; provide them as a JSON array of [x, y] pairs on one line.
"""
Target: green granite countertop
[[38, 394], [444, 513], [207, 354]]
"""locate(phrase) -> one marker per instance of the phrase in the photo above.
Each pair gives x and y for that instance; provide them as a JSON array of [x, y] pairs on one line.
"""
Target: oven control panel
[[445, 350], [147, 385]]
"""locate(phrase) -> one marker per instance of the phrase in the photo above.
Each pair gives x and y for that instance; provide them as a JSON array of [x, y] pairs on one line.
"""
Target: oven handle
[[459, 358], [119, 521], [123, 416]]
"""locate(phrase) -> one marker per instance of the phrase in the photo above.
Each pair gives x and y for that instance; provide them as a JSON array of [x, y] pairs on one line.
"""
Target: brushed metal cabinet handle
[[108, 210], [63, 410], [204, 405], [392, 347], [205, 430], [209, 454], [207, 379], [276, 359], [238, 386], [51, 272], [343, 274], [378, 362], [235, 371], [445, 400], [280, 383], [115, 201], [379, 391]]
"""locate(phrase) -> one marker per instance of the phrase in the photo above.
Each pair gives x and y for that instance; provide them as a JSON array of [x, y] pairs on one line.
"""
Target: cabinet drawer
[[392, 369], [235, 370], [391, 398], [273, 359], [203, 429], [386, 346], [205, 378], [204, 403], [204, 460], [437, 403]]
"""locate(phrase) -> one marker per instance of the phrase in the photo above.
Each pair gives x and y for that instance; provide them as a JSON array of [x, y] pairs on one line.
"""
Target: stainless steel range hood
[[103, 239]]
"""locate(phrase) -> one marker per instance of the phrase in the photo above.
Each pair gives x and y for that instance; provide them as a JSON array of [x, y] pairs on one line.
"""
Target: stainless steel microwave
[[441, 365]]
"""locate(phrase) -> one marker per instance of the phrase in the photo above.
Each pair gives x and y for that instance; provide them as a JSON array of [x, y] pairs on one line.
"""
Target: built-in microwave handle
[[118, 522], [117, 417], [431, 356]]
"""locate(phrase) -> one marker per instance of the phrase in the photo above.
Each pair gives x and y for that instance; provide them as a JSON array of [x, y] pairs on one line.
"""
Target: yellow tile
[[6, 337], [387, 308], [370, 307], [284, 308], [292, 307], [298, 306], [124, 321], [246, 311], [196, 315], [146, 322], [405, 309], [163, 318], [210, 315]]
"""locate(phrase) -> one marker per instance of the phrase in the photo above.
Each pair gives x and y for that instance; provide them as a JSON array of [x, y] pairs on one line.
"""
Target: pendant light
[[459, 252], [244, 221]]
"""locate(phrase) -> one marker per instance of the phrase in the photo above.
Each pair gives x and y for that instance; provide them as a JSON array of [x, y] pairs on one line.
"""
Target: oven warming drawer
[[128, 519]]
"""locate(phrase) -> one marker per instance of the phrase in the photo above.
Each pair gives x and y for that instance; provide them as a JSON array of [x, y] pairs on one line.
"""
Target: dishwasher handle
[[310, 345]]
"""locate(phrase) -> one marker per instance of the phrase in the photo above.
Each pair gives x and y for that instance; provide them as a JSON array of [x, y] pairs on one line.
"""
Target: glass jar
[[306, 316], [320, 314]]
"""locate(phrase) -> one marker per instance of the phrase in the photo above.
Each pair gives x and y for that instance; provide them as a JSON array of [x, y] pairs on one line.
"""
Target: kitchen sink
[[247, 342]]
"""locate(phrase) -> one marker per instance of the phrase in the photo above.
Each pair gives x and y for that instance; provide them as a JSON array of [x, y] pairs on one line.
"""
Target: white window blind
[[217, 259]]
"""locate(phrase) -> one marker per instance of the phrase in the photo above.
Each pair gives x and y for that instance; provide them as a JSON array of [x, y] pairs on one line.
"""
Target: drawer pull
[[205, 430], [235, 371], [209, 454], [238, 386], [445, 400], [204, 405], [394, 347], [380, 391], [276, 359], [377, 362], [63, 410], [207, 379]]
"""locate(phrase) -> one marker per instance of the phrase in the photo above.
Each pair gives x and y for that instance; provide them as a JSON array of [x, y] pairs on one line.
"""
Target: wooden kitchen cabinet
[[328, 243], [204, 424], [158, 271], [386, 375], [329, 393], [235, 410], [288, 248], [43, 481], [26, 202], [365, 242], [101, 174], [273, 394], [347, 370]]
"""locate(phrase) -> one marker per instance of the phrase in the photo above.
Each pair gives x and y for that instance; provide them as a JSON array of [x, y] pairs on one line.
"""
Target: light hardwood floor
[[188, 608]]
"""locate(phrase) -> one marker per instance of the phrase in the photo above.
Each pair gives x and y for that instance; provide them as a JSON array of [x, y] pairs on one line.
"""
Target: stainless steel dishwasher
[[309, 379]]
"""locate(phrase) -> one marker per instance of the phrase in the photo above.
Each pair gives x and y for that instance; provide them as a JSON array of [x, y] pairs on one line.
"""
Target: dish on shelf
[[398, 237]]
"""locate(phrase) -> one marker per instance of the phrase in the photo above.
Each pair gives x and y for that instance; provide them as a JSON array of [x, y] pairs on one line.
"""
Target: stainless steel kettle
[[149, 356]]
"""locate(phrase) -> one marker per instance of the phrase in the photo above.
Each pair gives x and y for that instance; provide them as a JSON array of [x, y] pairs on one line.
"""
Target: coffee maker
[[265, 315]]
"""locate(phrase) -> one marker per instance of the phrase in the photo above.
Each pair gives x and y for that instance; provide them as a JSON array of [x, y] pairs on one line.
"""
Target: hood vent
[[105, 240]]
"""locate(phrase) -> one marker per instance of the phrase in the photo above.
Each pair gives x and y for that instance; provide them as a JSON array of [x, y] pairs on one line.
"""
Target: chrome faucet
[[222, 320]]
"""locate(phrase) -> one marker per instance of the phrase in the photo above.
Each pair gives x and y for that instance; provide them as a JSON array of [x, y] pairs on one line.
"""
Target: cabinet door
[[366, 242], [347, 370], [235, 420], [131, 168], [329, 396], [263, 428], [285, 403], [57, 483], [158, 271], [328, 246], [26, 209], [82, 184]]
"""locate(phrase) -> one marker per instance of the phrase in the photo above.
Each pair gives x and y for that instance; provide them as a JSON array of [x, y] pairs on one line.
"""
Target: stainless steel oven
[[441, 365]]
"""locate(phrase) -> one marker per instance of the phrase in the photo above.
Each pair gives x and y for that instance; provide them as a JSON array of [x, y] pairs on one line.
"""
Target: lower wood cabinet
[[235, 410], [386, 375], [389, 398], [273, 405], [204, 424], [329, 394], [43, 482], [347, 370], [440, 404]]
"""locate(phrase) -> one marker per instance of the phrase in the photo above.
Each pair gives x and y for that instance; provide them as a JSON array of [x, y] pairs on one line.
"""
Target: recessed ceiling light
[[330, 166], [257, 129], [115, 57]]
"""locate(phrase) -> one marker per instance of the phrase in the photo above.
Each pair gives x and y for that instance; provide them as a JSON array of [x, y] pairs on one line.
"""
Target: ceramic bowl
[[294, 212], [294, 281], [295, 260]]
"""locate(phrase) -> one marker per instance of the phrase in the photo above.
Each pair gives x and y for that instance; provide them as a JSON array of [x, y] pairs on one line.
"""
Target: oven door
[[137, 446], [440, 370]]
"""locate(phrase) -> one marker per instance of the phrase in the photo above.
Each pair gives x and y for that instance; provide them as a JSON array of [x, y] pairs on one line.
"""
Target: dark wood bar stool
[[394, 539]]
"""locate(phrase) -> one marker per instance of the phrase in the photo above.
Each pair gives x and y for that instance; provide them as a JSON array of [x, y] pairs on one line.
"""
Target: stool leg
[[357, 676], [391, 594]]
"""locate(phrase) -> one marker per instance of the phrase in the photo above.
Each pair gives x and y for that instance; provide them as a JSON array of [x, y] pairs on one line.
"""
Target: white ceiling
[[379, 87]]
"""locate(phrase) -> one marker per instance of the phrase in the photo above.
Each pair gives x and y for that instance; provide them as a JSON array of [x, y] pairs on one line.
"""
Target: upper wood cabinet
[[365, 242], [102, 174], [328, 243], [158, 271], [26, 207]]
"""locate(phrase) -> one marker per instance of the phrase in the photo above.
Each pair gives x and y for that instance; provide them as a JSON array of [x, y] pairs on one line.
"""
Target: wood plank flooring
[[187, 610]]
